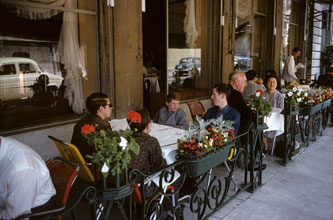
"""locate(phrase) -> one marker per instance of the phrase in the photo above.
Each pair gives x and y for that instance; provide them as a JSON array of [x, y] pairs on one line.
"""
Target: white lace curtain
[[189, 24], [69, 52]]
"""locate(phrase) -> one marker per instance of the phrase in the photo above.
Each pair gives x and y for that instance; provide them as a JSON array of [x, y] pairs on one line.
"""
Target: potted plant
[[260, 107], [205, 145], [292, 99]]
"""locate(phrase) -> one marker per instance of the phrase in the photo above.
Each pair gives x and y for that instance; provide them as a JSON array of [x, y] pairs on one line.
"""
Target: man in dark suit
[[237, 80]]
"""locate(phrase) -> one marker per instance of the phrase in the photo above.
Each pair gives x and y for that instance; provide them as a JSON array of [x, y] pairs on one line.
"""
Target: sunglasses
[[110, 105]]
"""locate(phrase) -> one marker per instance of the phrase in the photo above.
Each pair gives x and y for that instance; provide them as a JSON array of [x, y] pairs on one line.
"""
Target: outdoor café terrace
[[230, 182]]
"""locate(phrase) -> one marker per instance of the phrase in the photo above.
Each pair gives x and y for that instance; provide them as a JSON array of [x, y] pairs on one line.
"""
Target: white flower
[[225, 134], [105, 168], [257, 94], [306, 94], [299, 99], [299, 93], [211, 142], [294, 89], [123, 143], [290, 93]]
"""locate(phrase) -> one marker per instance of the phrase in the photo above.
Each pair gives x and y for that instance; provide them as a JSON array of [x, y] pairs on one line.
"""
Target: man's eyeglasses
[[110, 105]]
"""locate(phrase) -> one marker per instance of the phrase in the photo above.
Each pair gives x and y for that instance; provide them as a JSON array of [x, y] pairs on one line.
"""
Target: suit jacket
[[236, 101]]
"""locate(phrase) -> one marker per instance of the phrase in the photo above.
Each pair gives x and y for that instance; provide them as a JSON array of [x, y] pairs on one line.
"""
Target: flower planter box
[[290, 109], [327, 103], [311, 110], [198, 167]]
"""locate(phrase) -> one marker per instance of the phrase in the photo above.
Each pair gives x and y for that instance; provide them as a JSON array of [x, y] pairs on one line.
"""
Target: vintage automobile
[[188, 63], [17, 75]]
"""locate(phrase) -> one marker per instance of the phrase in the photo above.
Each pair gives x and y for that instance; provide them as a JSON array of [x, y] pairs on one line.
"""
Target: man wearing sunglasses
[[100, 109]]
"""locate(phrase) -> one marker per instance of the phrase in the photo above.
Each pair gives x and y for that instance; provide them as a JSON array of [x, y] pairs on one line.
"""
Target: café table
[[166, 135]]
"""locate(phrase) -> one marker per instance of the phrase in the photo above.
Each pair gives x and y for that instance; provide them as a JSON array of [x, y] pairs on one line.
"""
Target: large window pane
[[185, 24], [32, 72]]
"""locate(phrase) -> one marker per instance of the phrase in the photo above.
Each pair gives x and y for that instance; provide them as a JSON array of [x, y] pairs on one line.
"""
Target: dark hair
[[296, 49], [172, 96], [222, 88], [270, 73], [94, 101], [271, 76], [145, 120], [251, 74]]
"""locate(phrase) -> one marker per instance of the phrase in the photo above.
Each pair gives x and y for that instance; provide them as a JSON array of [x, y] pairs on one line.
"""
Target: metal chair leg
[[273, 146]]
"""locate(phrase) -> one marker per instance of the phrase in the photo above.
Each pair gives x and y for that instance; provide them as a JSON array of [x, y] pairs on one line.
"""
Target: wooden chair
[[63, 174], [196, 108]]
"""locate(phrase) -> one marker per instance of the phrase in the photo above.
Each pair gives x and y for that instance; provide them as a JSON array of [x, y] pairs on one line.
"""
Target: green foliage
[[112, 149], [261, 105]]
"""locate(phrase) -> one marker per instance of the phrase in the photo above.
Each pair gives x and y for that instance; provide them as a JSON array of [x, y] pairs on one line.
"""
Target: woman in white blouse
[[276, 99]]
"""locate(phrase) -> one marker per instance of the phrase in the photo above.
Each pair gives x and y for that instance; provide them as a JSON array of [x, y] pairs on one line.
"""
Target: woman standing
[[275, 98]]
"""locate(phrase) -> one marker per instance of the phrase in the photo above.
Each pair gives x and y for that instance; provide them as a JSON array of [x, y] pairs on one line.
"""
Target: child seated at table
[[171, 114]]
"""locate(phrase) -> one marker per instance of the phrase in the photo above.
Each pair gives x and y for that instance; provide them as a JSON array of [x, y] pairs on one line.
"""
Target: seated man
[[219, 96], [237, 80], [252, 84], [25, 181], [171, 114], [100, 109]]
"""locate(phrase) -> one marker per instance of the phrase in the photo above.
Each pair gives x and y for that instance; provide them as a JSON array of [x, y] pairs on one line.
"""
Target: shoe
[[263, 167]]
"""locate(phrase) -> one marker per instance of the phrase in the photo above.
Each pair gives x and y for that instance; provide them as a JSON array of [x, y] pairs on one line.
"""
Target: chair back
[[71, 153], [63, 174], [196, 108]]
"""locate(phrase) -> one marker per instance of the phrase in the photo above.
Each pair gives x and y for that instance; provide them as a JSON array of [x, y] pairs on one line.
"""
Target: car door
[[28, 75], [9, 81]]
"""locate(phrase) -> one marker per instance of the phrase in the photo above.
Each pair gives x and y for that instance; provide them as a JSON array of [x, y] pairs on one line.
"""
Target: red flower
[[86, 129], [260, 91], [134, 117]]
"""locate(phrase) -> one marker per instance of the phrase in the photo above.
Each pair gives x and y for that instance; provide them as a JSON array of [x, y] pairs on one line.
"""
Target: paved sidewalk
[[302, 190]]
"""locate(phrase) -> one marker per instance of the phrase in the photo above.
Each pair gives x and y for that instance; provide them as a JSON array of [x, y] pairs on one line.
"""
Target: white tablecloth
[[166, 135], [275, 122]]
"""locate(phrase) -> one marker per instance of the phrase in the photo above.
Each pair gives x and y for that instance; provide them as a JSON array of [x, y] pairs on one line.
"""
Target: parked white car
[[17, 74]]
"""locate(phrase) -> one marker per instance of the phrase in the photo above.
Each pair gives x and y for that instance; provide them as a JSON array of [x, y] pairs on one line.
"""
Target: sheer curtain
[[189, 24], [70, 55], [69, 52]]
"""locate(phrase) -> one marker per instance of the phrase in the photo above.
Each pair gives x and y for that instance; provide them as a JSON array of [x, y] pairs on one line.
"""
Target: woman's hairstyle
[[269, 77], [94, 101], [270, 73], [222, 88], [145, 120]]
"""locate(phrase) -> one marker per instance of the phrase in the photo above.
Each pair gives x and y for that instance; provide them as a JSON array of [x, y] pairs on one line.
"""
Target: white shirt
[[25, 180], [289, 70]]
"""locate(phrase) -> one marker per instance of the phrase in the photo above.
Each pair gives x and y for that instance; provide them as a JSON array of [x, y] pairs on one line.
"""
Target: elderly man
[[100, 109], [289, 70], [237, 81], [25, 181], [219, 97]]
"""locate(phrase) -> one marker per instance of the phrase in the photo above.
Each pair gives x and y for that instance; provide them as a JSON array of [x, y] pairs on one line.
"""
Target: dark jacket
[[80, 141], [150, 157], [236, 101]]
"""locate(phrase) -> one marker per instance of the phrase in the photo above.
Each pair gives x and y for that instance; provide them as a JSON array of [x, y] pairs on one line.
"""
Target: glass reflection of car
[[18, 74], [242, 63], [188, 63]]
